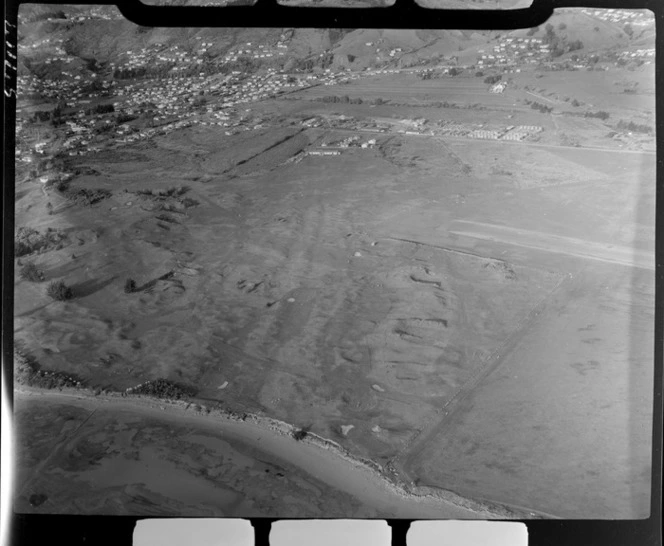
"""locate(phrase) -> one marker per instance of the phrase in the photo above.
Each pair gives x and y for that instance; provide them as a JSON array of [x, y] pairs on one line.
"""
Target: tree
[[532, 31], [562, 26], [30, 272], [301, 433], [575, 45], [628, 30], [130, 286], [557, 51], [103, 109]]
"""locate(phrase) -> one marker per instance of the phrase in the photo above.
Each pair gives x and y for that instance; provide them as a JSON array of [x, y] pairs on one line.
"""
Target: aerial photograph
[[334, 273]]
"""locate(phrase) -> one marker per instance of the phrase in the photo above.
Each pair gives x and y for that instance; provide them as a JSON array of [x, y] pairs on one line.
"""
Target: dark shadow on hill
[[61, 270], [89, 287], [30, 311], [21, 194], [150, 284]]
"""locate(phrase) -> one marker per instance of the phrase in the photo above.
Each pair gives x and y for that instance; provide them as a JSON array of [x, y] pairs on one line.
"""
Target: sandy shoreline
[[324, 459]]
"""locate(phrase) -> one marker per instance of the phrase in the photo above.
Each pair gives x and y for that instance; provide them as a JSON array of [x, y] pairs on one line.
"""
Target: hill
[[83, 40]]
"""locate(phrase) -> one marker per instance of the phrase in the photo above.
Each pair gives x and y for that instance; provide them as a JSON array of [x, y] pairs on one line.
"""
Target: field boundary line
[[446, 249], [486, 367]]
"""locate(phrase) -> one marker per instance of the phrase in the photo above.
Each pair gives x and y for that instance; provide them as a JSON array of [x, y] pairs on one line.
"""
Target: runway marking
[[558, 244]]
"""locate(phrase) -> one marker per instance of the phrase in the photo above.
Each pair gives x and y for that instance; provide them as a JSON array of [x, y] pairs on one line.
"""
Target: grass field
[[582, 371]]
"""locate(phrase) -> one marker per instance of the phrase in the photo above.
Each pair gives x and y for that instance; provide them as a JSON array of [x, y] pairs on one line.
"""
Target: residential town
[[157, 89]]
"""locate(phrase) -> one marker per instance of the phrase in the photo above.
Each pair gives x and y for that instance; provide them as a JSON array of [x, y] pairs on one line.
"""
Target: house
[[498, 87]]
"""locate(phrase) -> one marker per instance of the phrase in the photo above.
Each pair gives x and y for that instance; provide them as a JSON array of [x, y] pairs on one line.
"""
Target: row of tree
[[345, 99], [559, 44], [635, 127], [493, 79], [540, 107]]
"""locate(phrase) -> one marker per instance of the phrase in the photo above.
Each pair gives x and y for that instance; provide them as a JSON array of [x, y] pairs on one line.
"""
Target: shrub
[[59, 291], [575, 45], [24, 366], [130, 286], [83, 196], [104, 109], [557, 51], [166, 218], [52, 379], [541, 107], [87, 197], [299, 434], [30, 272], [602, 114], [28, 240], [635, 127], [27, 371], [173, 191], [124, 118], [162, 388]]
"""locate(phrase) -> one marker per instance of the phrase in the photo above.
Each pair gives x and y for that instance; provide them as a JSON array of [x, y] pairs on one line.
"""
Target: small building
[[498, 87]]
